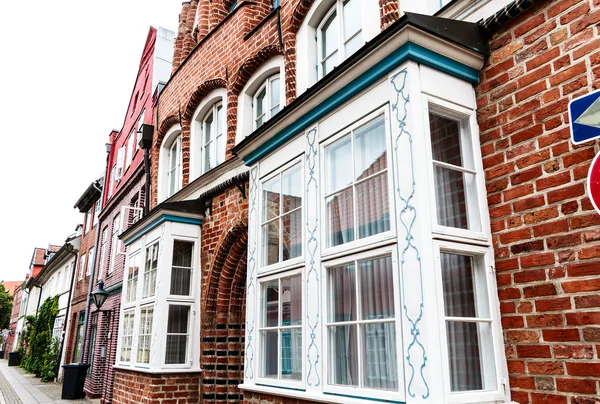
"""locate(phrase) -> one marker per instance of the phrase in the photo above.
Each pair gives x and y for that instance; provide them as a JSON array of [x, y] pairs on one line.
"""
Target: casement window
[[170, 261], [174, 167], [214, 134], [88, 221], [91, 261], [267, 101], [140, 122], [82, 265], [339, 34], [357, 202], [111, 180], [115, 247], [127, 335], [281, 229], [120, 163], [103, 248], [281, 328], [130, 149]]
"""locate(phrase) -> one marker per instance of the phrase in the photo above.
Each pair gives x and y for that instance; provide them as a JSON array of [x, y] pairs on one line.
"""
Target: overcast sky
[[67, 69]]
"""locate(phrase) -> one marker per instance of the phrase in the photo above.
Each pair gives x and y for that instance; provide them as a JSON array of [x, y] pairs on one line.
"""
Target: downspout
[[147, 184], [70, 250], [90, 284]]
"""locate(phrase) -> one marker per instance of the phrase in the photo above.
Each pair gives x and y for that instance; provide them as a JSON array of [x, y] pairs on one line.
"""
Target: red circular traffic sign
[[593, 185]]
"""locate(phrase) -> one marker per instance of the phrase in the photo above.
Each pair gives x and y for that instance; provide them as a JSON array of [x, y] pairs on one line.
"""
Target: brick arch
[[298, 15], [198, 94], [165, 125], [250, 65], [222, 331]]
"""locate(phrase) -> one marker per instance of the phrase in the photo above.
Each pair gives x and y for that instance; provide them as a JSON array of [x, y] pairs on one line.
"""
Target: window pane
[[338, 157], [177, 338], [450, 197], [376, 288], [220, 120], [181, 271], [145, 334], [270, 302], [340, 218], [445, 139], [132, 277], [372, 205], [351, 18], [173, 155], [182, 253], [291, 354], [275, 96], [464, 356], [220, 157], [291, 301], [330, 63], [292, 235], [353, 45], [292, 188], [369, 149], [150, 271], [269, 345], [270, 240], [329, 35], [208, 163], [465, 294], [343, 358], [208, 127], [380, 370], [271, 198], [342, 293], [260, 106]]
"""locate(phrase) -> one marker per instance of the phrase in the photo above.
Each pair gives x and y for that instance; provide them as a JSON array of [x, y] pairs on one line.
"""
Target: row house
[[10, 343], [122, 203], [357, 201]]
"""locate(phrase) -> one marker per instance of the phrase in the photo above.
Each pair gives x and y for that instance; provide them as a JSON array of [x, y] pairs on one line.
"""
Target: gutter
[[509, 12]]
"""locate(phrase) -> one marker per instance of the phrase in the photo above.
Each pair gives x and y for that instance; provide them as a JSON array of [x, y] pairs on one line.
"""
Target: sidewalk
[[18, 387]]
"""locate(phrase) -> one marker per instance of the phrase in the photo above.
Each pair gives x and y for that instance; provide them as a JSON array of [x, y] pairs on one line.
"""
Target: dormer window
[[267, 101]]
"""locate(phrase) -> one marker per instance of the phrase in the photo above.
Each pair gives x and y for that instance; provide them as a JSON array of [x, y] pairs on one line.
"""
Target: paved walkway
[[18, 387]]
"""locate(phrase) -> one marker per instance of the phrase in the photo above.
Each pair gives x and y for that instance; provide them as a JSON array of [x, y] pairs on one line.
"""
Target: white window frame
[[126, 280], [486, 256], [293, 262], [190, 342], [88, 221], [365, 392], [173, 135], [213, 138], [130, 149], [120, 163], [82, 265], [358, 244], [299, 384], [245, 110], [145, 308], [143, 275], [471, 154], [138, 133], [115, 243], [267, 114], [103, 240], [90, 263], [112, 180], [126, 313]]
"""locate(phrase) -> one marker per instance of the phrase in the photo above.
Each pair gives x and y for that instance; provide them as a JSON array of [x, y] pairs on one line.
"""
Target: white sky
[[67, 69]]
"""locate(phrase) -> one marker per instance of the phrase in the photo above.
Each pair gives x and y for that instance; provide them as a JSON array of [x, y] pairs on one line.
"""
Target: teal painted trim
[[378, 400], [279, 387], [159, 220], [408, 51]]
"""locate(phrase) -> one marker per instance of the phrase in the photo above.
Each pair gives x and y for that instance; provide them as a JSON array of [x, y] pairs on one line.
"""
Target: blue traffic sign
[[584, 115]]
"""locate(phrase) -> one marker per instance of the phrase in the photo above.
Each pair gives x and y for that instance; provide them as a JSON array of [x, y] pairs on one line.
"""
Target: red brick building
[[478, 228], [14, 317], [123, 202]]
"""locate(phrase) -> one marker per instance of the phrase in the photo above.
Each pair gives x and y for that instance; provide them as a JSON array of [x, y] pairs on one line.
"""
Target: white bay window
[[170, 255]]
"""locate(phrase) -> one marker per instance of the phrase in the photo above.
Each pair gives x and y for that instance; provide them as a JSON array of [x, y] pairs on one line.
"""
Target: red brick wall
[[256, 398], [545, 231], [175, 388]]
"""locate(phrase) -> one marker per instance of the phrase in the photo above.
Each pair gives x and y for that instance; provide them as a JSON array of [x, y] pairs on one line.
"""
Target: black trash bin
[[1, 354], [73, 381], [14, 359]]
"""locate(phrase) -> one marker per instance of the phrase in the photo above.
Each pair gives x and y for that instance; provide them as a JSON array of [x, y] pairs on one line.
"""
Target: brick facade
[[547, 243], [134, 388]]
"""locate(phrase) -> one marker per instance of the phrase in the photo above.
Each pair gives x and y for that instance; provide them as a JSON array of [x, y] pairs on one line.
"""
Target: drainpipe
[[73, 251], [146, 144], [90, 284]]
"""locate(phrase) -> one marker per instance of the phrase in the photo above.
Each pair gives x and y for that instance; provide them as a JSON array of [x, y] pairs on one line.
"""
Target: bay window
[[170, 258]]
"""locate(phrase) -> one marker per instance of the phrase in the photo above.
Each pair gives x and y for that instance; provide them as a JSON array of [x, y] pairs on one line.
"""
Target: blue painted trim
[[408, 51], [379, 400], [159, 220]]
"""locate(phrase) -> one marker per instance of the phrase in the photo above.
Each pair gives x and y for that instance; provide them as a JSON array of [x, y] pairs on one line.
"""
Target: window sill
[[156, 370]]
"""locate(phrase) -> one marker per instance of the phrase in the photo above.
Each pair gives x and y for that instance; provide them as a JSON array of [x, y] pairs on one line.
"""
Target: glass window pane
[[208, 127], [176, 349], [329, 35], [173, 155], [220, 157], [275, 95], [292, 235], [464, 356], [369, 149], [464, 295], [351, 18], [340, 218], [372, 205], [182, 253], [132, 277], [270, 241], [271, 198], [150, 271], [338, 157], [343, 357], [181, 270], [291, 354], [220, 120], [178, 319], [260, 105], [177, 338], [445, 139], [353, 45], [330, 63], [450, 197], [270, 302], [380, 370], [269, 345], [208, 158], [376, 288], [342, 293], [291, 301], [292, 188]]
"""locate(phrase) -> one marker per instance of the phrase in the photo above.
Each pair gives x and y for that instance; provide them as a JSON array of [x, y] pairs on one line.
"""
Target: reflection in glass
[[343, 357], [380, 370]]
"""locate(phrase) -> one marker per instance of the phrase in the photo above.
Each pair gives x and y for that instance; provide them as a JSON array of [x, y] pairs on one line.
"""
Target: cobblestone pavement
[[7, 393]]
